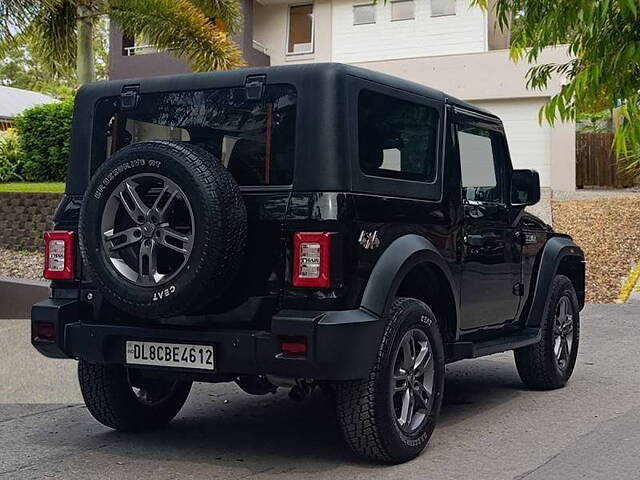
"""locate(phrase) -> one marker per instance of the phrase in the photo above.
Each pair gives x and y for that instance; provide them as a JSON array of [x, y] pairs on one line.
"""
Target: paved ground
[[491, 427]]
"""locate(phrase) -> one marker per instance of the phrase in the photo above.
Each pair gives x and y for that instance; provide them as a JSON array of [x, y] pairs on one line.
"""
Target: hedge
[[11, 156], [44, 133]]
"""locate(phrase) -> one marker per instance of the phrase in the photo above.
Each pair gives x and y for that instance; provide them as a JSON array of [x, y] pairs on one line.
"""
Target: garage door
[[529, 142]]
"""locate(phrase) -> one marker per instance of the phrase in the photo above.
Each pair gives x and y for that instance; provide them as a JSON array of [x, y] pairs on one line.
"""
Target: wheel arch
[[408, 267], [559, 256]]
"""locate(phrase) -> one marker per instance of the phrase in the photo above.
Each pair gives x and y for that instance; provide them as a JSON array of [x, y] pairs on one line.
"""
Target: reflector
[[293, 345], [45, 331]]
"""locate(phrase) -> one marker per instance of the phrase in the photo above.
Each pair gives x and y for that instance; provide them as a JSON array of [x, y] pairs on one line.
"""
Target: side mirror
[[525, 188]]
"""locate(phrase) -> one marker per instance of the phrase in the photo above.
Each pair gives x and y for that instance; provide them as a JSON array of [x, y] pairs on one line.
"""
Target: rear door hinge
[[518, 289], [129, 97], [254, 86]]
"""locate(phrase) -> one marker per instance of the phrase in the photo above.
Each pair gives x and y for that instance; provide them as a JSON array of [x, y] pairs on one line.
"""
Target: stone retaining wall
[[23, 218]]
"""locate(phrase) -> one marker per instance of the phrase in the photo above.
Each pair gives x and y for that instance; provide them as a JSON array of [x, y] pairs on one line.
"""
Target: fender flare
[[398, 259], [553, 252]]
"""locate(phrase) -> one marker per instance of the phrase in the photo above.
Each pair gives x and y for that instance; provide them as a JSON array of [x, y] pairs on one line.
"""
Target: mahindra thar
[[299, 226]]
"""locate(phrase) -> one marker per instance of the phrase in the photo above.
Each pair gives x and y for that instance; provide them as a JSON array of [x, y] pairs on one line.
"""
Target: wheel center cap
[[148, 229]]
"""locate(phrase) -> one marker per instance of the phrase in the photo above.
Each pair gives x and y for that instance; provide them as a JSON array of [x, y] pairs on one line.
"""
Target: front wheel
[[122, 400], [549, 363], [390, 416]]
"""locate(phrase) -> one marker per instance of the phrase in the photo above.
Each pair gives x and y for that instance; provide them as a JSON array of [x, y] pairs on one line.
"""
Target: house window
[[441, 8], [364, 14], [300, 34], [396, 138], [403, 10]]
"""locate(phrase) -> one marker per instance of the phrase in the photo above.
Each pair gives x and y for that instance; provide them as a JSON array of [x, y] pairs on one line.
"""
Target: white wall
[[464, 32], [337, 39], [270, 29]]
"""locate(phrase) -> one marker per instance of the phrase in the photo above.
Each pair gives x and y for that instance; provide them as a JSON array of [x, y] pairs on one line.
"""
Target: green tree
[[603, 38], [61, 33], [21, 68]]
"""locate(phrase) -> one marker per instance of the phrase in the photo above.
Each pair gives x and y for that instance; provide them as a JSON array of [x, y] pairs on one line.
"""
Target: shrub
[[44, 134], [11, 157]]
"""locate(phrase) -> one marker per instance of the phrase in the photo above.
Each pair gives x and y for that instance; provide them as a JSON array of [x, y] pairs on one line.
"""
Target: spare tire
[[162, 229]]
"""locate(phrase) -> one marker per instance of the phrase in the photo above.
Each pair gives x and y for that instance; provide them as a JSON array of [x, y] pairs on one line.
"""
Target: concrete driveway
[[491, 427]]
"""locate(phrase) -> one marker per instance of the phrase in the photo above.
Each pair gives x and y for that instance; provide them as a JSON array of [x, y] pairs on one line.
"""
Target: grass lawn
[[45, 187]]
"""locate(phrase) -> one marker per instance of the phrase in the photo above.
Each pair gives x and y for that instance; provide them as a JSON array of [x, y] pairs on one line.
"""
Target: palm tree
[[60, 32]]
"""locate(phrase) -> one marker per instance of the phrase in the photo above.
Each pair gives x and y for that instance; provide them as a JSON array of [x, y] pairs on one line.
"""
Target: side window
[[481, 164], [396, 138]]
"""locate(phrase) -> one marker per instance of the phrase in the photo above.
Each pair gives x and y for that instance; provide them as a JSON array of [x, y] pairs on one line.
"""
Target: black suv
[[299, 226]]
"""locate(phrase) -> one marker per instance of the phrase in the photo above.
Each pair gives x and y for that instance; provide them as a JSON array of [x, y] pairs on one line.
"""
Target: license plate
[[179, 355]]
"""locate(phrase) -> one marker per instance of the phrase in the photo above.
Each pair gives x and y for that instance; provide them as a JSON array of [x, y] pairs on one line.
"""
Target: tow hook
[[300, 391]]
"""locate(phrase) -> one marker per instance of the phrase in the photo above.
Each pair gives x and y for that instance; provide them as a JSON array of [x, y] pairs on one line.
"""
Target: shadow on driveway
[[271, 433]]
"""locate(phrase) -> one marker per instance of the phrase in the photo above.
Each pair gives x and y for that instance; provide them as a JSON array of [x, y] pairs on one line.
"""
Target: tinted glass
[[364, 14], [403, 10], [396, 138], [480, 164], [254, 139], [441, 8]]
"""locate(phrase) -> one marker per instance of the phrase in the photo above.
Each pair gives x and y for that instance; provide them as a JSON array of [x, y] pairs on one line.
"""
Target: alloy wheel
[[563, 332], [412, 381], [148, 229]]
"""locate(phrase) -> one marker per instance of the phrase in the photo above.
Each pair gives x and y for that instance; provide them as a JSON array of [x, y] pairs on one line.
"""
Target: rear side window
[[254, 139], [396, 138]]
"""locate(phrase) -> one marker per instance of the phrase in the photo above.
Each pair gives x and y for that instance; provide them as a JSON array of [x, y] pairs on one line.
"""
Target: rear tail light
[[311, 259], [58, 255]]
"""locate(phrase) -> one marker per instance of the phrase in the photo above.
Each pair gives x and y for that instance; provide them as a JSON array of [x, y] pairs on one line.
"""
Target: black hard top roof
[[275, 74]]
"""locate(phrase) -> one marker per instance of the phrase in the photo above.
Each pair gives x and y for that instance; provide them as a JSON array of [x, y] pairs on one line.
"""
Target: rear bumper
[[341, 345]]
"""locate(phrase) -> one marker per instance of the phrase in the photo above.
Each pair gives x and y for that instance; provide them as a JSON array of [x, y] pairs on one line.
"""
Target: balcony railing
[[146, 49], [260, 47], [142, 50]]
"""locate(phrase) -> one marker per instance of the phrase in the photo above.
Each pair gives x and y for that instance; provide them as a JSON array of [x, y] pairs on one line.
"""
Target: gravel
[[594, 193], [20, 264], [608, 230]]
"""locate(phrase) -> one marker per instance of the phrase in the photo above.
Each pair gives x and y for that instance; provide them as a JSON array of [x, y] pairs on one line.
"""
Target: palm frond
[[182, 27], [52, 37], [228, 12], [15, 15]]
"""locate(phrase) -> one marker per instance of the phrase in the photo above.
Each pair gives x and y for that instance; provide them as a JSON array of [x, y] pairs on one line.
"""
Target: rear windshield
[[254, 139]]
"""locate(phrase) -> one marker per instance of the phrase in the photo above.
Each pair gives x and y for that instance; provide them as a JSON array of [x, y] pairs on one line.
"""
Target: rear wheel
[[122, 400], [390, 416], [549, 363]]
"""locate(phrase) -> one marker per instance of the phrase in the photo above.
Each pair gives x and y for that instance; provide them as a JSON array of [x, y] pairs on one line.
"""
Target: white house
[[445, 44], [14, 101]]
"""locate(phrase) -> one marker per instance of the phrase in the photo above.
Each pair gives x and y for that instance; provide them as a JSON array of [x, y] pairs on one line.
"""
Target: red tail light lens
[[311, 255], [293, 345], [58, 255], [45, 331]]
